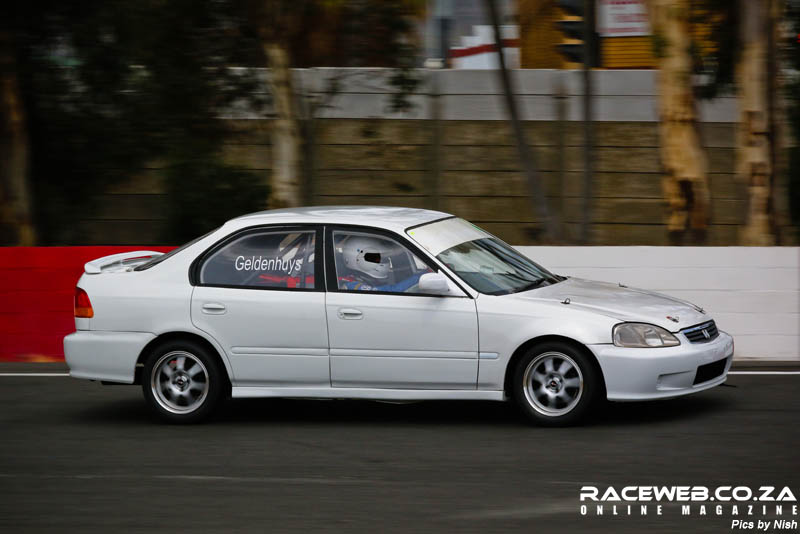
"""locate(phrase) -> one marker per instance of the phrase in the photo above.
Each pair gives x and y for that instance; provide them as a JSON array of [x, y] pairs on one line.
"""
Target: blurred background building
[[622, 32], [457, 32]]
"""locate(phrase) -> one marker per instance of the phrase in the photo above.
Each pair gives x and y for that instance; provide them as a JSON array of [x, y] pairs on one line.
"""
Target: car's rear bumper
[[660, 373], [99, 355]]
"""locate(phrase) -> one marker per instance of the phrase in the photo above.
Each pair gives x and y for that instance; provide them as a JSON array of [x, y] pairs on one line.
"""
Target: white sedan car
[[379, 303]]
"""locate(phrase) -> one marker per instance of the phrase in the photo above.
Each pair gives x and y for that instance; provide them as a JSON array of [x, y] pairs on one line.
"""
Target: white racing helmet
[[367, 255]]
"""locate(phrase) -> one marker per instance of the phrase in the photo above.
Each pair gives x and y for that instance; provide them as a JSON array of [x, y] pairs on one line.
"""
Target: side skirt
[[361, 393]]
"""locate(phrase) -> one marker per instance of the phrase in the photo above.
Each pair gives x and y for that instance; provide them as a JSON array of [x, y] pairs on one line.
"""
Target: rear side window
[[264, 259]]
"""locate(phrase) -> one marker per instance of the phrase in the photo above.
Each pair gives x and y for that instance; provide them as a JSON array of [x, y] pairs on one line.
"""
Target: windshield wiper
[[532, 285]]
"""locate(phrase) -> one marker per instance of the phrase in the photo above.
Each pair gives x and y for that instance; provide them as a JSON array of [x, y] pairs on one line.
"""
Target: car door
[[259, 294], [385, 333]]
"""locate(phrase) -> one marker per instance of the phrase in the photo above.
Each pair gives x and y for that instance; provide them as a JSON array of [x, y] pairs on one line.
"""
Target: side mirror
[[434, 283]]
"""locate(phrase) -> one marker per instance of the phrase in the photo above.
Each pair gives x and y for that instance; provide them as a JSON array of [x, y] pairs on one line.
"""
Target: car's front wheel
[[555, 384], [182, 382]]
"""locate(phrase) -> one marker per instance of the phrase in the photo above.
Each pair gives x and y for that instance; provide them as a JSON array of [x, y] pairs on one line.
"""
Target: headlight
[[643, 335]]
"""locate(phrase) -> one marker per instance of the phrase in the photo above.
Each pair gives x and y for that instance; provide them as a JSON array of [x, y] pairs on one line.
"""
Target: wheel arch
[[529, 344], [179, 336]]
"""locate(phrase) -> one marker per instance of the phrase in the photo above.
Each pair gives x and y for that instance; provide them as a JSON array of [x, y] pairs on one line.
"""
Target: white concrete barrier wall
[[619, 95], [753, 293]]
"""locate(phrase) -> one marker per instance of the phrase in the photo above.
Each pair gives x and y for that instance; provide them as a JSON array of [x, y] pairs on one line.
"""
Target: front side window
[[263, 259], [484, 262], [370, 262]]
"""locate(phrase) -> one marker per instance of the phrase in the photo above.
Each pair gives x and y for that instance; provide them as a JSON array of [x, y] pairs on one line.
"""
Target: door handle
[[213, 308], [350, 313]]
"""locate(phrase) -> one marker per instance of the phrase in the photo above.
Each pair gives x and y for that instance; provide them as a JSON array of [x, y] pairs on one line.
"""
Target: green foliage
[[659, 44], [794, 184], [715, 58], [203, 193], [361, 33], [386, 27], [112, 85]]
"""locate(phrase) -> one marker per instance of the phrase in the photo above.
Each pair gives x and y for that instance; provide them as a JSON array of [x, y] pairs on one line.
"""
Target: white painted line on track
[[34, 374], [764, 372]]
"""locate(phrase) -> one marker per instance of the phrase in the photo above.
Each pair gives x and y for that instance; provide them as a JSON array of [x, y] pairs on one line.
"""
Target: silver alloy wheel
[[179, 382], [553, 383]]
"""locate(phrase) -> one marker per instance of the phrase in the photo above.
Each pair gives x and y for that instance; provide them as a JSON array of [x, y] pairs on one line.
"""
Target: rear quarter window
[[158, 259]]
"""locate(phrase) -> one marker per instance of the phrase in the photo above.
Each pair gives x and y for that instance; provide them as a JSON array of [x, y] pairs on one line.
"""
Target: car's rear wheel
[[555, 384], [182, 382]]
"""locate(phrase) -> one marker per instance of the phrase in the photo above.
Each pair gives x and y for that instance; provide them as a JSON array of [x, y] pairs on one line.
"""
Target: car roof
[[387, 217]]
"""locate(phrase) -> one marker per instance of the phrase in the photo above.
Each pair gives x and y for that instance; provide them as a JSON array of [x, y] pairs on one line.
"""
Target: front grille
[[702, 333], [710, 371]]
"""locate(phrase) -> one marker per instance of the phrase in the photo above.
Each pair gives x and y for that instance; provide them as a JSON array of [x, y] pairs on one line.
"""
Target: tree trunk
[[15, 191], [685, 183], [754, 150], [588, 119], [535, 186], [285, 190]]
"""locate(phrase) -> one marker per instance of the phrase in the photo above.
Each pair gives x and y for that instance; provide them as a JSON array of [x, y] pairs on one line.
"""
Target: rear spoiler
[[123, 259]]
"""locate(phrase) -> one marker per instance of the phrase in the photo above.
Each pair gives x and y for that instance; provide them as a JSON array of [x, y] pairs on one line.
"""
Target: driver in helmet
[[368, 263]]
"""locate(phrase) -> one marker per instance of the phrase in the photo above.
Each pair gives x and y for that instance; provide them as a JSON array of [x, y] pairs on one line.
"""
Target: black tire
[[183, 397], [550, 398]]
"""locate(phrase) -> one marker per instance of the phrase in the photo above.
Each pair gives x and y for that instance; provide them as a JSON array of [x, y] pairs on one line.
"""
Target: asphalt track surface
[[81, 457]]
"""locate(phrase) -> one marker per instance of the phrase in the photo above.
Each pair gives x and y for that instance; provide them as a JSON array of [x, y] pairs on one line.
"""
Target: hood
[[620, 302]]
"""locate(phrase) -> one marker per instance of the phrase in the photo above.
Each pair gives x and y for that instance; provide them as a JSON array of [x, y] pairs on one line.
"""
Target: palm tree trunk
[[755, 164], [285, 190], [685, 182], [15, 191]]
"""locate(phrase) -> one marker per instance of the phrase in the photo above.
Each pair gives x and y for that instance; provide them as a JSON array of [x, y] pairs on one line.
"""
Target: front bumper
[[660, 373], [99, 355]]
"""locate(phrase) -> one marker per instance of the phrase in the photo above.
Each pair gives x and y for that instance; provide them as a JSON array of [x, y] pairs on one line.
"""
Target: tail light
[[83, 306]]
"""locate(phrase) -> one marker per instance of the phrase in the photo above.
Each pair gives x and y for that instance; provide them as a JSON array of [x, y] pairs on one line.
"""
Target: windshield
[[484, 262], [161, 257]]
